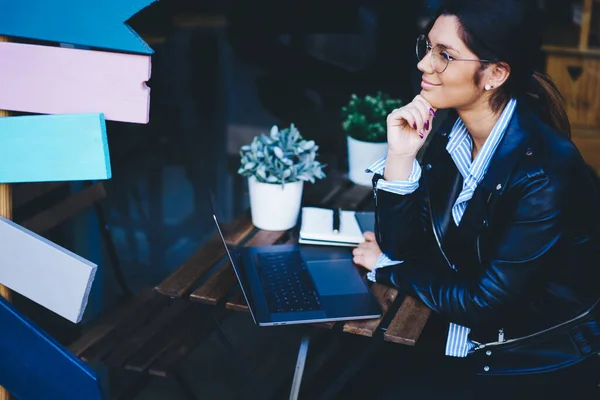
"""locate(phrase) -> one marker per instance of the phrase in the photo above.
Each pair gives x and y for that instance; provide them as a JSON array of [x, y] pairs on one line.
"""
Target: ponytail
[[550, 103]]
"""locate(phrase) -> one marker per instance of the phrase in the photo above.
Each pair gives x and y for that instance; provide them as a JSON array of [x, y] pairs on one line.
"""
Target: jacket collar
[[510, 150], [443, 182]]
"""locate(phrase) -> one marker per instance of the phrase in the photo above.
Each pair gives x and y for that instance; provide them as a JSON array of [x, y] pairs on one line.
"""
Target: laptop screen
[[239, 272]]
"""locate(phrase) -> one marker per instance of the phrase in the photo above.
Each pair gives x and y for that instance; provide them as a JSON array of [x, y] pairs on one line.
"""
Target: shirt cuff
[[382, 261], [398, 187]]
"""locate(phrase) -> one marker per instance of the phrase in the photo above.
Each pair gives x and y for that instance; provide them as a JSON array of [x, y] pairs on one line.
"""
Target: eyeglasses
[[439, 56]]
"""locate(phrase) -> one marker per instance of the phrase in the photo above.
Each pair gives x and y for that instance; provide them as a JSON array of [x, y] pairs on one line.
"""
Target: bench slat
[[407, 325], [64, 210], [109, 322], [134, 342], [181, 281], [172, 336], [385, 297], [214, 290], [187, 341], [237, 302], [141, 317]]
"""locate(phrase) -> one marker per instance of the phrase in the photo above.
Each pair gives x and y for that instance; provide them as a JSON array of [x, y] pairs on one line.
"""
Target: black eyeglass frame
[[429, 48]]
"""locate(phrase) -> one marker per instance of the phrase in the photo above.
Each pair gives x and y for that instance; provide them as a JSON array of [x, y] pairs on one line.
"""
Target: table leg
[[300, 363]]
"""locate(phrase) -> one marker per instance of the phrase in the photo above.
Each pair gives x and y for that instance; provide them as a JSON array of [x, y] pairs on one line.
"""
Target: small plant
[[282, 157], [364, 118]]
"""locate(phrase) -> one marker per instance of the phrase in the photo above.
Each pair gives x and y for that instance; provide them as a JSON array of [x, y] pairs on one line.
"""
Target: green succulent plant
[[282, 157], [364, 118]]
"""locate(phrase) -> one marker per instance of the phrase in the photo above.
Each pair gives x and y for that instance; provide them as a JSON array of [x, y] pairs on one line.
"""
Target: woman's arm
[[522, 251], [400, 222]]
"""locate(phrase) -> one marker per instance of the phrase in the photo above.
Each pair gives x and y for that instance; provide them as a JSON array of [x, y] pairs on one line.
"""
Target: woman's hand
[[367, 253], [408, 127]]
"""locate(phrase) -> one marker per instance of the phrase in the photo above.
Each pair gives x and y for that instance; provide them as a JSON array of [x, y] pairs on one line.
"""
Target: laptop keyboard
[[286, 282]]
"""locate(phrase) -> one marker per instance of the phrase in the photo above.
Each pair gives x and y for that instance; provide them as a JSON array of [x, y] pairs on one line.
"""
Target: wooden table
[[208, 277]]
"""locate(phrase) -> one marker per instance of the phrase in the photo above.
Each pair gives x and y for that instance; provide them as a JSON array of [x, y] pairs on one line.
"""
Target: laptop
[[292, 284]]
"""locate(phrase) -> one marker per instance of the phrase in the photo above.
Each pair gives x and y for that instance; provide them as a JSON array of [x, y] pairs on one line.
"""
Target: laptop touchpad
[[335, 277]]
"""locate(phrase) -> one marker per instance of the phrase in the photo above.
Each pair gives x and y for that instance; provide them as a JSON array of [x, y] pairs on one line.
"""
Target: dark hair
[[509, 31]]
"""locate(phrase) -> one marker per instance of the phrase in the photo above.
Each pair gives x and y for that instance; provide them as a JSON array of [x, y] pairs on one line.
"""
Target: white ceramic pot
[[360, 156], [274, 207]]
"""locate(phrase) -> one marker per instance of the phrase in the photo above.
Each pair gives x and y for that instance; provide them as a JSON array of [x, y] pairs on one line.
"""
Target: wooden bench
[[402, 321], [406, 325], [152, 333], [155, 331]]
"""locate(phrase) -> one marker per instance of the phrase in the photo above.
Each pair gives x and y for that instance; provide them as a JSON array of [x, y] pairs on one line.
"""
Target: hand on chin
[[431, 99]]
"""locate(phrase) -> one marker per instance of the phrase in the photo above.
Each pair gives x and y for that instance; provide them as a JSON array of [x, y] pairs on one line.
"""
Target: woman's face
[[455, 87]]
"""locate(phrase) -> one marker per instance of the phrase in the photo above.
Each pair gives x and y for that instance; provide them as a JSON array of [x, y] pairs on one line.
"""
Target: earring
[[487, 87]]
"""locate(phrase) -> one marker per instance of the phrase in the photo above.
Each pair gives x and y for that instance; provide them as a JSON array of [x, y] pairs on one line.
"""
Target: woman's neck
[[479, 120]]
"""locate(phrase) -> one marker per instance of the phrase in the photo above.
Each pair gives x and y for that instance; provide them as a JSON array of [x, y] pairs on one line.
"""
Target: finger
[[424, 114], [416, 114], [359, 251], [401, 118], [432, 110], [358, 260], [370, 236]]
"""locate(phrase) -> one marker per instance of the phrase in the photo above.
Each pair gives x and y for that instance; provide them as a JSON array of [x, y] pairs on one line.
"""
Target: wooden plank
[[87, 23], [170, 336], [324, 325], [44, 272], [407, 325], [134, 342], [27, 192], [572, 51], [35, 366], [64, 210], [237, 302], [181, 281], [56, 80], [385, 297], [52, 148], [142, 316], [110, 321], [214, 290], [586, 22], [188, 339]]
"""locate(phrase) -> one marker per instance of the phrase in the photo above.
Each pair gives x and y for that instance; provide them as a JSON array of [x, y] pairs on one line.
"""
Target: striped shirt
[[460, 148]]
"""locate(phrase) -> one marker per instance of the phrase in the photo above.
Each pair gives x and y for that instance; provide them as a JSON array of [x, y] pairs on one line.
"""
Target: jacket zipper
[[479, 235], [437, 239], [377, 231], [581, 316], [435, 233]]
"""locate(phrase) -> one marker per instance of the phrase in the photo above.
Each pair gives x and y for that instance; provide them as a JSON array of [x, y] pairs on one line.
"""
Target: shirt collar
[[473, 172]]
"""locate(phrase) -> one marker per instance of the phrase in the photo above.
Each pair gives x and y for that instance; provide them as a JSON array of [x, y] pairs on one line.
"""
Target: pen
[[336, 220]]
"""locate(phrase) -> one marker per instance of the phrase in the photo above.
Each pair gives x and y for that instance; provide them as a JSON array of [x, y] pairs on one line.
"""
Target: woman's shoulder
[[556, 148], [552, 155]]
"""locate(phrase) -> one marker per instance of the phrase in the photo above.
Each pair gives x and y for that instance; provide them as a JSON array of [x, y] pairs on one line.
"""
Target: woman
[[498, 229]]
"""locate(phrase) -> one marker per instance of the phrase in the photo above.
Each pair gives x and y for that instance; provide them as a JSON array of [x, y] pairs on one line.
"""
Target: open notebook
[[317, 228]]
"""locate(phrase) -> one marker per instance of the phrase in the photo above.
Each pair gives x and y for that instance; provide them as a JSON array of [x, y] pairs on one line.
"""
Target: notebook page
[[317, 224]]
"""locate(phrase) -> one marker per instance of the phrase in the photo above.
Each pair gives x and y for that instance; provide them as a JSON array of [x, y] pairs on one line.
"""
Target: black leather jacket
[[527, 250]]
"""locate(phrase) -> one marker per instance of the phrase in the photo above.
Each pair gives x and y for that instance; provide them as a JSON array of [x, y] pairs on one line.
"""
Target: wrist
[[398, 168], [400, 157]]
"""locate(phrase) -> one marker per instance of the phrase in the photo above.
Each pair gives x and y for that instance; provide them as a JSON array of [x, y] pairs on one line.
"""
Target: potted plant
[[364, 121], [277, 167]]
